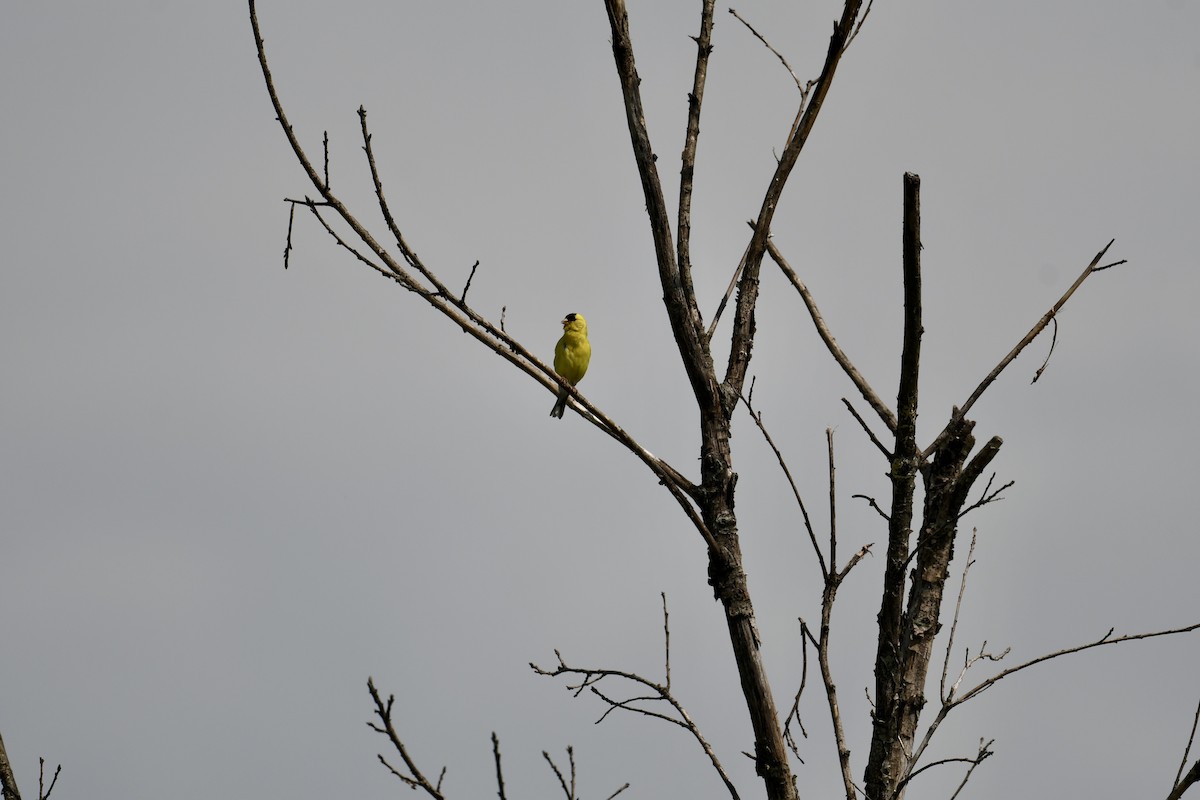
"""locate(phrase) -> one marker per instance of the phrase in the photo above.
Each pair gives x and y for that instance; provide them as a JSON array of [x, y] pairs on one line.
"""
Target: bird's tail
[[560, 407]]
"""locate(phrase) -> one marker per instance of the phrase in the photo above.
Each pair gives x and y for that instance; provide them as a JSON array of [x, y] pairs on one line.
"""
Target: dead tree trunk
[[907, 632]]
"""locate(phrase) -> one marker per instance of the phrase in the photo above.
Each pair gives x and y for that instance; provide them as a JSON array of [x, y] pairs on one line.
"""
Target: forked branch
[[951, 699], [1103, 641], [567, 787], [678, 296], [833, 579], [590, 678], [44, 790], [413, 778], [1184, 781]]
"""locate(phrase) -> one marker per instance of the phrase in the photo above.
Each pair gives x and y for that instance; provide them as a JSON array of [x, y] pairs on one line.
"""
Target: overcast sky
[[229, 493]]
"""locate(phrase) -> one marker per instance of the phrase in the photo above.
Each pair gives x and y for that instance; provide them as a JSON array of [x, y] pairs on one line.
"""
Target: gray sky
[[229, 493]]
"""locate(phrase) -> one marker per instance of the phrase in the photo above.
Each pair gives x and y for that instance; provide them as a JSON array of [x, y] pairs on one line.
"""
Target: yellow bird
[[571, 357]]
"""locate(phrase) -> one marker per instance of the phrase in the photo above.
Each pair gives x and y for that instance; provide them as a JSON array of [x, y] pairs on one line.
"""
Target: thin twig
[[312, 206], [948, 696], [828, 597], [325, 144], [984, 752], [569, 791], [832, 499], [287, 247], [410, 256], [787, 473], [737, 273], [962, 590], [867, 428], [871, 502], [569, 788], [794, 712], [1188, 748], [987, 496], [833, 580], [666, 642], [617, 792], [462, 298], [571, 759], [499, 772], [1050, 352], [44, 793], [862, 553], [802, 87]]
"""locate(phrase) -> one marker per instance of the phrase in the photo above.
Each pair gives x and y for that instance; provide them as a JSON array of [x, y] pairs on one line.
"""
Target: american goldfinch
[[571, 357]]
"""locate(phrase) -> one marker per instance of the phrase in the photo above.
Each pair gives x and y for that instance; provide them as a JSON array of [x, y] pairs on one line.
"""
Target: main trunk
[[728, 578]]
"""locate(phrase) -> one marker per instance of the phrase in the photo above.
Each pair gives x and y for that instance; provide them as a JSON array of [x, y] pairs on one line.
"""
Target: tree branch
[[832, 582], [794, 713], [43, 790], [568, 789], [1182, 781], [1103, 641], [590, 677], [742, 338], [987, 496], [456, 309], [984, 752], [687, 171], [787, 473], [414, 778], [1038, 327], [951, 700], [407, 252], [803, 87], [883, 764], [962, 590], [839, 355], [499, 772], [682, 310], [1186, 782]]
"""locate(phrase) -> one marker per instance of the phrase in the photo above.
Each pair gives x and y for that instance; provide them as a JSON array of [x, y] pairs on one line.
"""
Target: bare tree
[[920, 538]]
